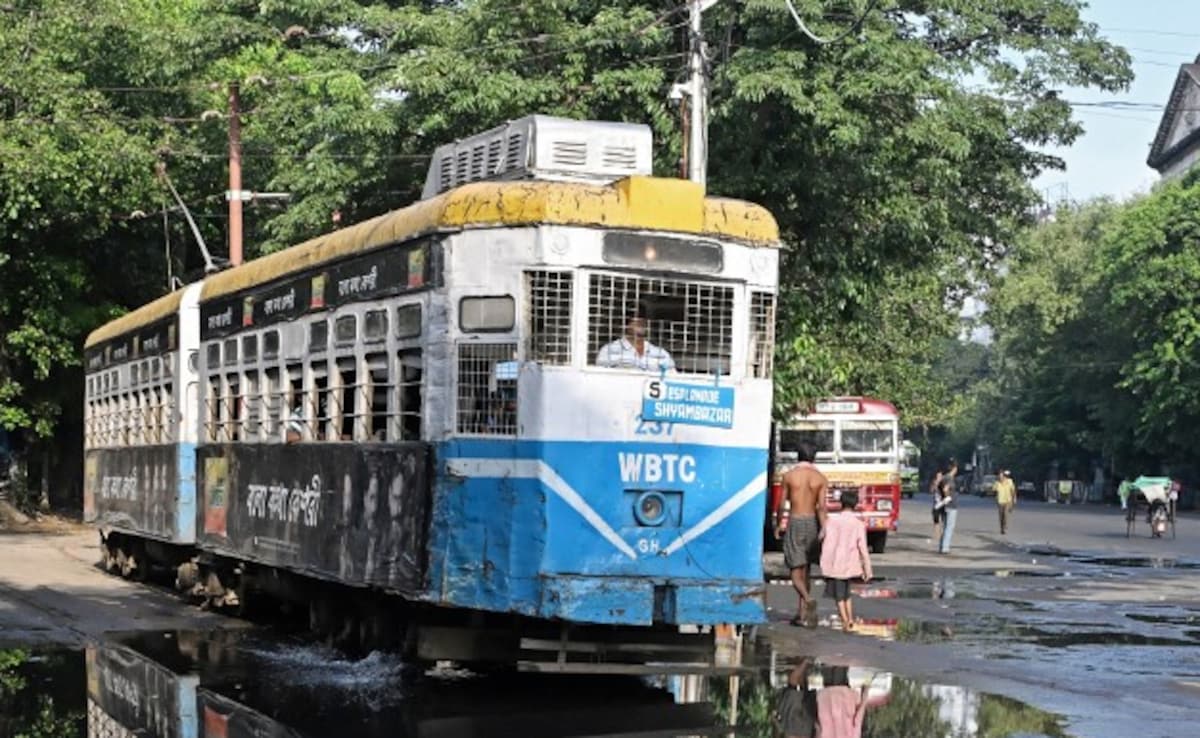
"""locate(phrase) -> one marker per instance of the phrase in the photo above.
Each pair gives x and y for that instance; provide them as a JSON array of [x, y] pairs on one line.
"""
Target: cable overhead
[[854, 28]]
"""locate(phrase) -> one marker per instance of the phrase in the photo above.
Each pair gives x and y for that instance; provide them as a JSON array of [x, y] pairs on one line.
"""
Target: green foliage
[[895, 179], [1097, 322]]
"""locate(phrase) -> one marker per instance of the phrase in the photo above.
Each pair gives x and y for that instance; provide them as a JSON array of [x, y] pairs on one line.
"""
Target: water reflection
[[240, 684], [806, 698], [229, 685]]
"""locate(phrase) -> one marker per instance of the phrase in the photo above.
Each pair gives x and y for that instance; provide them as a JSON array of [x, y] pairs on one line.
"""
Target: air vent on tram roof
[[546, 148]]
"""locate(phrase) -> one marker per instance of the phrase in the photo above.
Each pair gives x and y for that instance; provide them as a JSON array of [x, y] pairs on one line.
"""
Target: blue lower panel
[[636, 601], [615, 600], [727, 602]]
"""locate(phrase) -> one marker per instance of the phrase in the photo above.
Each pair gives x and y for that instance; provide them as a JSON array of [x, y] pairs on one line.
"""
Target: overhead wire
[[854, 28]]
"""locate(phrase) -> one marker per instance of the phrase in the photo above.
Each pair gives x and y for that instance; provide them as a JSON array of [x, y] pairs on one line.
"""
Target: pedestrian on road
[[844, 556], [1006, 498], [1123, 492], [804, 489], [947, 472], [948, 502]]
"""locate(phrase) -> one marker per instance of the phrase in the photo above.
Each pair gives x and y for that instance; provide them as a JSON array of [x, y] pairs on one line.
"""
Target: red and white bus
[[857, 440]]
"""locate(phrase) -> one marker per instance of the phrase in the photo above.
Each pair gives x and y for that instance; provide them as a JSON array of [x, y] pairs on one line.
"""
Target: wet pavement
[[1066, 628], [255, 683]]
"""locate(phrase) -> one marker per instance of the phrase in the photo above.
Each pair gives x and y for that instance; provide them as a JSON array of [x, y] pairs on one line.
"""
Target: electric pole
[[235, 194], [697, 92]]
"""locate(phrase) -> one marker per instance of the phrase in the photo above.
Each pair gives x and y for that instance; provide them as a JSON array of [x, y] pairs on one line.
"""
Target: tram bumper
[[641, 601]]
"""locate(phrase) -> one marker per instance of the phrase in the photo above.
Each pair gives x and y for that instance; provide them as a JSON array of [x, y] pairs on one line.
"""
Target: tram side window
[[318, 335], [487, 388], [253, 402], [212, 416], [274, 401], [232, 410], [167, 413], [270, 345], [375, 325], [408, 391], [549, 316], [378, 392], [213, 358], [345, 417], [762, 334], [319, 410], [297, 417]]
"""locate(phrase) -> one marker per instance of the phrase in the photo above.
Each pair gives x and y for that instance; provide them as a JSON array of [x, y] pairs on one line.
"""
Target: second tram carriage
[[447, 402]]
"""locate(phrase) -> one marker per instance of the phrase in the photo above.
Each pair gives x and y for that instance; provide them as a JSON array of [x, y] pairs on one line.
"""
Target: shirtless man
[[804, 488]]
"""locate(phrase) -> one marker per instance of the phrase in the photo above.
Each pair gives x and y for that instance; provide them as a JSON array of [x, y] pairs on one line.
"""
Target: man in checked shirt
[[633, 351]]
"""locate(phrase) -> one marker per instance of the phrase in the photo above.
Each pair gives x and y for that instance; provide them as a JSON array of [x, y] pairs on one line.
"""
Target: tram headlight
[[650, 508]]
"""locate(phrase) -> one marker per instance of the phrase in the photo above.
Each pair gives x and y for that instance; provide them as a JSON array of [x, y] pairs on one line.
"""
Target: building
[[1176, 146]]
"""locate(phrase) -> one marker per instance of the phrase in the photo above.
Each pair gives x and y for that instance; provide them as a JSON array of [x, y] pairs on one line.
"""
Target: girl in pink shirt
[[844, 556]]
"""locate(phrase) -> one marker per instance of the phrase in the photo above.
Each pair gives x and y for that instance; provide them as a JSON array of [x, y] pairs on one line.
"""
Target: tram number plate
[[691, 404]]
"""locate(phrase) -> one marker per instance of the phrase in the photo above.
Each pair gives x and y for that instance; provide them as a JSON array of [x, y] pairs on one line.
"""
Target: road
[[51, 592], [1064, 613]]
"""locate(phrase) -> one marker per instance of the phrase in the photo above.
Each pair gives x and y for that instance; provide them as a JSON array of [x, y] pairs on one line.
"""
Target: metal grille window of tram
[[549, 317], [762, 334], [487, 388], [692, 321]]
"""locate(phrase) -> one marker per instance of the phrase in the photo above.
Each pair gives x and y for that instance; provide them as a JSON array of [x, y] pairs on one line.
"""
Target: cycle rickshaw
[[1157, 498]]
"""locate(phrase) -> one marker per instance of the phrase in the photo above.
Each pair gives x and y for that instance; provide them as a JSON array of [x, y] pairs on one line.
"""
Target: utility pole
[[235, 194], [694, 95], [697, 155]]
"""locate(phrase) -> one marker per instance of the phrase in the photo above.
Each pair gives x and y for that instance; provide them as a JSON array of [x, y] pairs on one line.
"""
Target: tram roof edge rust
[[163, 307], [645, 203]]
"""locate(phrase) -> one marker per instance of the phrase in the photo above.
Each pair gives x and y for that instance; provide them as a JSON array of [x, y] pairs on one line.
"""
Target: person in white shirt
[[633, 351]]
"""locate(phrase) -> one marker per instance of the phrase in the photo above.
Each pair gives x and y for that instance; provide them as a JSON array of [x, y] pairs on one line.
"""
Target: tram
[[541, 391]]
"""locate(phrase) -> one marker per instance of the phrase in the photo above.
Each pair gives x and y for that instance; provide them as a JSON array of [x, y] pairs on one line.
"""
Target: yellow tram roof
[[163, 307], [642, 203]]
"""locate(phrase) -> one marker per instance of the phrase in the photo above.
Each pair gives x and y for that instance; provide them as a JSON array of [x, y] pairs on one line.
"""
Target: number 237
[[652, 427]]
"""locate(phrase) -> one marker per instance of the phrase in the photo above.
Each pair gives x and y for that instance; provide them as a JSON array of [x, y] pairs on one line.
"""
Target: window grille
[[409, 385], [378, 391], [549, 316], [692, 322], [762, 334], [487, 388], [320, 405], [273, 393], [349, 407]]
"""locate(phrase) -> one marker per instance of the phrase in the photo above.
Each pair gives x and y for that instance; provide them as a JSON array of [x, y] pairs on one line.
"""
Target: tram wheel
[[123, 566]]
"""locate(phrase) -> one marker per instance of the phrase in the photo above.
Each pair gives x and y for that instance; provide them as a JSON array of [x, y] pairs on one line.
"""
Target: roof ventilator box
[[544, 148]]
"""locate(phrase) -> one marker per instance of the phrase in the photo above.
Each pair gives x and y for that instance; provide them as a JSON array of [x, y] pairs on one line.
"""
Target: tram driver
[[633, 351]]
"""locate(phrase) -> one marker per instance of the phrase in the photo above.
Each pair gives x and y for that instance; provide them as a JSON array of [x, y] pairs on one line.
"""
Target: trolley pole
[[235, 194]]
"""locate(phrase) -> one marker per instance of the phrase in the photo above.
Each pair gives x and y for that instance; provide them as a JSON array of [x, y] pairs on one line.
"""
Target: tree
[[894, 180]]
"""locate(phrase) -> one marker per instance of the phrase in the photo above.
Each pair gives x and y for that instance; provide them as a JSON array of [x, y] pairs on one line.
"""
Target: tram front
[[613, 401]]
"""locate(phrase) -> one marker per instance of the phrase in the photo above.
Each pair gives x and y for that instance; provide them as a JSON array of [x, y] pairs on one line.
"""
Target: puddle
[[853, 700], [1136, 562], [223, 683], [940, 589], [1165, 619], [1035, 573]]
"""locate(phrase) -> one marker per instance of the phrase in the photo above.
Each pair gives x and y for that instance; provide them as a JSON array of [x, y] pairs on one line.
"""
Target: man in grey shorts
[[804, 489]]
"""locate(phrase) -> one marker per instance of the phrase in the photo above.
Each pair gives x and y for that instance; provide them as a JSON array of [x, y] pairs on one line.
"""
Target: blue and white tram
[[546, 394]]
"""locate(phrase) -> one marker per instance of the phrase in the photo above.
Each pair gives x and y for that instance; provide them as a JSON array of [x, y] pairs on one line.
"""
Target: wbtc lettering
[[654, 468]]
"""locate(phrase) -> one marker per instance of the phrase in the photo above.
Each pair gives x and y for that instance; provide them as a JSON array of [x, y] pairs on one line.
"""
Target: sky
[[1110, 158]]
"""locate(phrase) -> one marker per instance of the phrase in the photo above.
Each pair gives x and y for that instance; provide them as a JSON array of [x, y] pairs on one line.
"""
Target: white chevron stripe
[[749, 492], [537, 469]]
